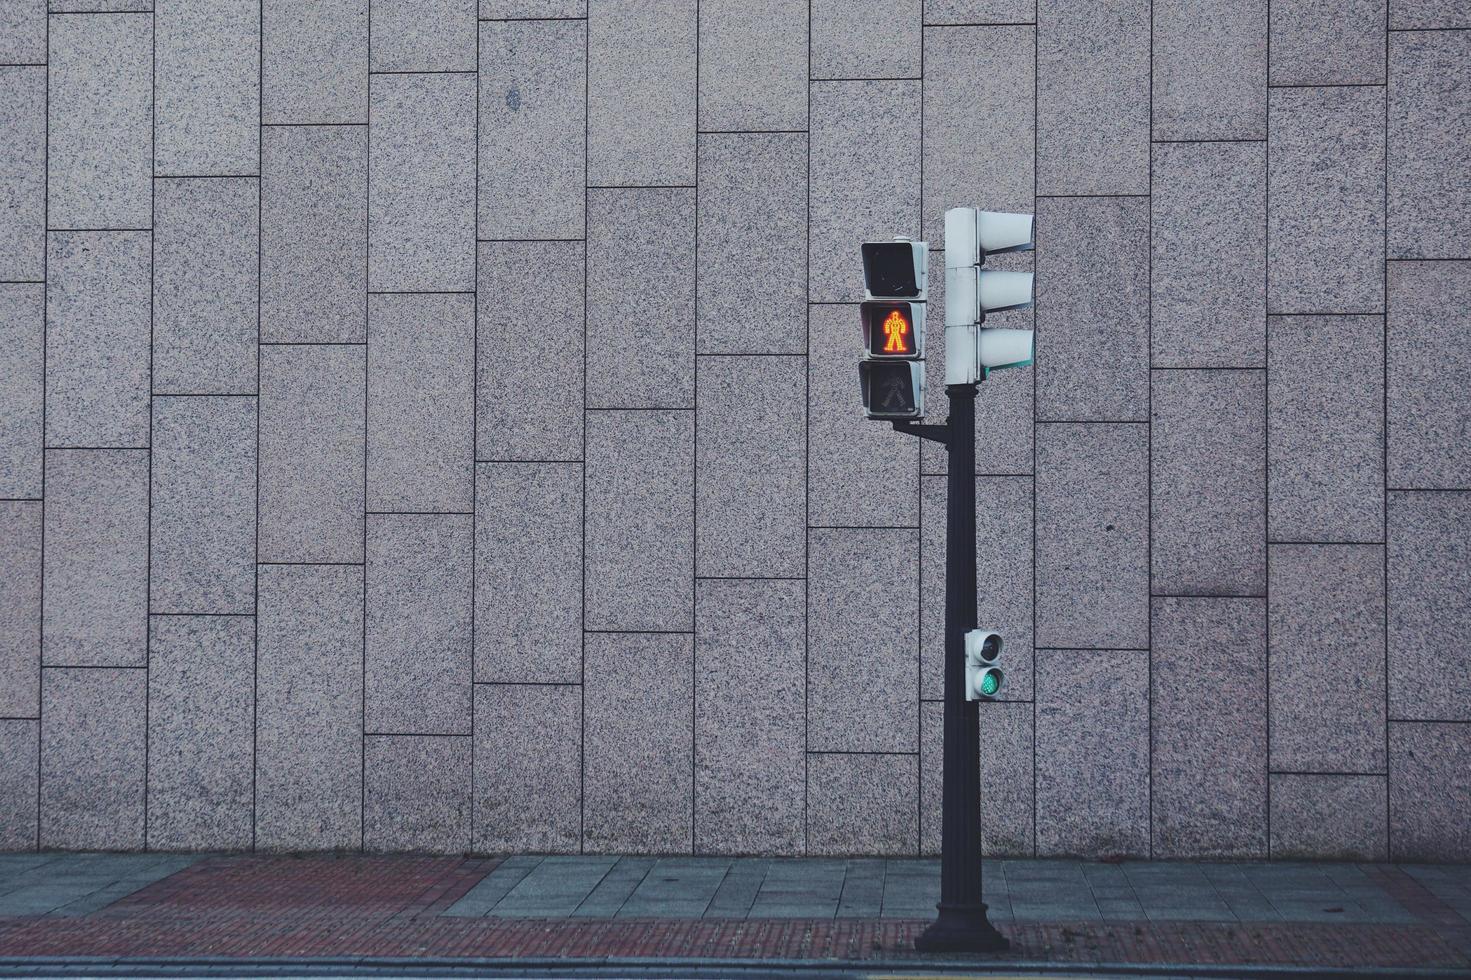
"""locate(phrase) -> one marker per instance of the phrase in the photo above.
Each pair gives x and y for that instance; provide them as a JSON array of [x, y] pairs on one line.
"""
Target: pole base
[[961, 929]]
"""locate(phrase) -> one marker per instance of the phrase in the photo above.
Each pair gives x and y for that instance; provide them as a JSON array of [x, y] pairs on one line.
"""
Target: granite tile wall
[[433, 426]]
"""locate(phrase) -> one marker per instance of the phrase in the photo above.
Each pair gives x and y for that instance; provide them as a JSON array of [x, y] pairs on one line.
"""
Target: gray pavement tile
[[617, 885], [555, 888], [1206, 913], [737, 892], [493, 887], [680, 888], [863, 889]]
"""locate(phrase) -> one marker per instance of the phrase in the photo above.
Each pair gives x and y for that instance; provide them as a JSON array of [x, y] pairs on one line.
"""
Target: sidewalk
[[860, 914]]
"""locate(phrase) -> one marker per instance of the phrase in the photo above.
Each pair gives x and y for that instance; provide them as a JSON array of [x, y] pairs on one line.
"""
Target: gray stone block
[[864, 179], [641, 352], [1329, 817], [752, 222], [23, 33], [314, 233], [414, 35], [1428, 14], [206, 286], [96, 573], [1210, 69], [1321, 42], [19, 757], [528, 787], [1092, 753], [97, 339], [314, 66], [530, 9], [750, 717], [1006, 777], [854, 39], [1092, 317], [862, 601], [418, 641], [1326, 450], [201, 732], [533, 110], [862, 804], [638, 778], [100, 122], [1325, 215], [421, 402], [312, 446], [93, 759], [753, 64], [751, 473], [529, 395], [1209, 254], [980, 11], [641, 92], [421, 187], [202, 536], [207, 76], [1327, 657], [416, 793], [1429, 207], [1092, 536], [1004, 561], [859, 473], [1208, 483], [309, 708], [99, 6], [1429, 791], [1428, 375], [23, 167], [1093, 97], [639, 521], [20, 609], [1430, 605], [22, 388], [1208, 695], [528, 572]]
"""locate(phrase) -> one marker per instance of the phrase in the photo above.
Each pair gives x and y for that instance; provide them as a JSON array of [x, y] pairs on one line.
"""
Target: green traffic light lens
[[990, 683]]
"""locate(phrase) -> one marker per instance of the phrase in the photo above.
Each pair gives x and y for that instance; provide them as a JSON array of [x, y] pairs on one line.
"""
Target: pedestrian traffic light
[[891, 374], [983, 679], [972, 292]]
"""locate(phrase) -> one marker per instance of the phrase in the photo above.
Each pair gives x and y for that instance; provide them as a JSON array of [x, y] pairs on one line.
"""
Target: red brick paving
[[319, 906]]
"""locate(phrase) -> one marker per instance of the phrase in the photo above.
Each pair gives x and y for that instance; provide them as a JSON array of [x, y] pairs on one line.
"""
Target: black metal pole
[[962, 925]]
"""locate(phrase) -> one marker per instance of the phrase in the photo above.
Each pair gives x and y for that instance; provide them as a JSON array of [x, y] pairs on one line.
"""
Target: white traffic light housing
[[891, 374], [983, 679], [972, 292]]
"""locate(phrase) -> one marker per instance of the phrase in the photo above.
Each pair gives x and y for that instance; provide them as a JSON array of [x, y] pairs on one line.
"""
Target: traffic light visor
[[889, 269]]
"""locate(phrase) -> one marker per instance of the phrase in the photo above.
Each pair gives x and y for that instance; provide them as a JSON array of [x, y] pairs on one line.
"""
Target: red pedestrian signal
[[893, 330]]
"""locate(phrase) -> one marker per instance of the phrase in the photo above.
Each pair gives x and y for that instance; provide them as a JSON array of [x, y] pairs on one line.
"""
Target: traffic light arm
[[934, 433]]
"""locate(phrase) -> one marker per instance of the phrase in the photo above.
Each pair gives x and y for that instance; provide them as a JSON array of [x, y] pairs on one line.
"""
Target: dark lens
[[990, 648]]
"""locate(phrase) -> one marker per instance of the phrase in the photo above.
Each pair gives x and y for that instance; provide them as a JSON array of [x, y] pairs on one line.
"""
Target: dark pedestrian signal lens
[[889, 389], [888, 268]]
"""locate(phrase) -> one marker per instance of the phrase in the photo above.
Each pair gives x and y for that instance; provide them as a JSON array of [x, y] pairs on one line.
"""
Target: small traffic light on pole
[[891, 374], [983, 679]]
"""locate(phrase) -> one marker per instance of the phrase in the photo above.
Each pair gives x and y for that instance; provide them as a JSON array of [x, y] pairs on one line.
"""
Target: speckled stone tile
[[1429, 791], [96, 572], [1429, 605], [1325, 455], [1209, 254], [314, 236], [641, 92], [533, 104], [23, 166], [202, 531], [314, 66], [1092, 752], [1210, 69], [1429, 128], [1006, 777], [750, 707], [528, 572], [1428, 14], [511, 9], [201, 705], [637, 777], [22, 380], [1092, 317], [1092, 540], [528, 786], [865, 180], [423, 35], [752, 221], [421, 402], [309, 708], [1428, 374], [855, 39], [1093, 97], [1327, 657], [19, 756], [97, 337], [93, 759], [23, 33], [862, 804], [20, 608], [99, 6], [100, 122], [1326, 42], [1329, 817], [416, 793], [207, 87], [1208, 688], [421, 186], [753, 64], [529, 396], [862, 595], [1325, 197], [1208, 483], [418, 633]]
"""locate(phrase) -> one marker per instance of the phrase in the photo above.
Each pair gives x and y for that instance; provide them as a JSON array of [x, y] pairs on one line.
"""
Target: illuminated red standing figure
[[896, 328]]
